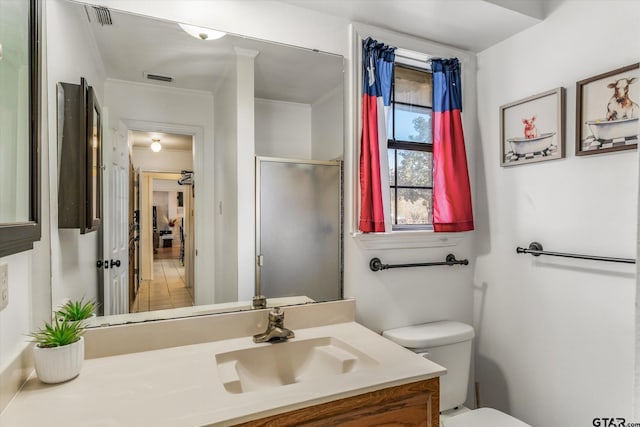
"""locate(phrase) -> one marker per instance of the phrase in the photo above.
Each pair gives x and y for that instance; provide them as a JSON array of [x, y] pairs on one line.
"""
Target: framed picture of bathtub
[[607, 111], [532, 129]]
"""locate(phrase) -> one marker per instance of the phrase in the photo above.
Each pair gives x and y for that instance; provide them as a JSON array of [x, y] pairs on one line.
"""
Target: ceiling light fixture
[[155, 145], [202, 33]]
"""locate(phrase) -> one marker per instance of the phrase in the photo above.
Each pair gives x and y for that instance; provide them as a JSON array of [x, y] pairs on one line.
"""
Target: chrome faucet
[[276, 332]]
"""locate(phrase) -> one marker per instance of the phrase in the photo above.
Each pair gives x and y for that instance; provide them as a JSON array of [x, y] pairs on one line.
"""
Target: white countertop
[[179, 386]]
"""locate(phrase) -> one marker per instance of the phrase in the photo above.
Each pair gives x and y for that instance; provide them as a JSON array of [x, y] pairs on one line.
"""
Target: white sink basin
[[274, 365]]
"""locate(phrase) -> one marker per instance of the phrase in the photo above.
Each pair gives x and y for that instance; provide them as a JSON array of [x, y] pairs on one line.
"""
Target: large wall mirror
[[187, 114], [19, 125]]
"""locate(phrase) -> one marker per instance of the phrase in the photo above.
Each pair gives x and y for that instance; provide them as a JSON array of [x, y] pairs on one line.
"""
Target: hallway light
[[202, 33], [155, 145]]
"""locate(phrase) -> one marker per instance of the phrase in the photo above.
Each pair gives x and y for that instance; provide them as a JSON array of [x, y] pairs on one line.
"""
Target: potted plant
[[58, 352], [77, 311]]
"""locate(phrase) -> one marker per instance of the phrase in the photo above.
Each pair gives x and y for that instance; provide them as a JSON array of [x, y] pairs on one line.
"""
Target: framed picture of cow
[[607, 114], [532, 129]]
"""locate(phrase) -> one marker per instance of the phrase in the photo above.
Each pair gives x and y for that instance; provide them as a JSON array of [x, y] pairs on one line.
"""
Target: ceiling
[[468, 24], [136, 45], [169, 141]]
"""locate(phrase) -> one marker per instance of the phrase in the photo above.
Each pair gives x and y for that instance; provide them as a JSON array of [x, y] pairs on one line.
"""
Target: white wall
[[555, 336], [71, 55], [226, 181], [283, 129], [327, 120], [245, 152]]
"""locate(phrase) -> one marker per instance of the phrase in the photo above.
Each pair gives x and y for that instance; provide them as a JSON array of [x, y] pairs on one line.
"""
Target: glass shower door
[[299, 233]]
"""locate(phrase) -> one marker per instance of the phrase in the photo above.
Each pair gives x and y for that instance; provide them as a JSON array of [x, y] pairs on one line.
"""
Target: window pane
[[415, 168], [413, 86], [393, 206], [412, 123], [414, 206], [392, 166]]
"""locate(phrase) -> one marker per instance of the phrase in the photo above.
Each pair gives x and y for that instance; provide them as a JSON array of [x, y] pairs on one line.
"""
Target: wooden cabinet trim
[[413, 400]]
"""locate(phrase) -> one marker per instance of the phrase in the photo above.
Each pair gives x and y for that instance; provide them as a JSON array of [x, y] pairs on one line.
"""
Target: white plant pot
[[59, 364]]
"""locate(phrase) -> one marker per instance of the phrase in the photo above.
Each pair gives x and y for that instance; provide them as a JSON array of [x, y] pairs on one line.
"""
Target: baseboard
[[14, 373]]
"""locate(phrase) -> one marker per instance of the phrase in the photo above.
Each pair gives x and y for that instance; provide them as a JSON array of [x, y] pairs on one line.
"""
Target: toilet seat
[[483, 417]]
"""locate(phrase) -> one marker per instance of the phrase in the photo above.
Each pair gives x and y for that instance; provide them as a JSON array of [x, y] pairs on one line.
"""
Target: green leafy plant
[[58, 333], [77, 310]]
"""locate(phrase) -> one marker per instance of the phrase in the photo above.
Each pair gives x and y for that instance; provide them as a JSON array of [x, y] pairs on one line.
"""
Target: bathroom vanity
[[414, 404], [208, 371]]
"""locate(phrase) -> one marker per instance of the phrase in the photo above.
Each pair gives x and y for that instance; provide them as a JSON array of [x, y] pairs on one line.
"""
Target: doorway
[[166, 242], [129, 220]]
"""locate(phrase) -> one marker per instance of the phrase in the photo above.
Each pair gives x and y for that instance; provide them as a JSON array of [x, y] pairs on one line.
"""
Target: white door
[[116, 227]]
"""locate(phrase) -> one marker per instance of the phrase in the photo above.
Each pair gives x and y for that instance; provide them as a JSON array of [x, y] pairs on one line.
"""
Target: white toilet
[[449, 344]]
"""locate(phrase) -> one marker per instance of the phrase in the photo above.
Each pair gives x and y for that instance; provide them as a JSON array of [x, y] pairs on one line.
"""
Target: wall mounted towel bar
[[536, 249], [376, 265]]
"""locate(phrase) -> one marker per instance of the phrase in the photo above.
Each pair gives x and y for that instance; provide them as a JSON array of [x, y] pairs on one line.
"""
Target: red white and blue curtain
[[377, 78], [452, 209]]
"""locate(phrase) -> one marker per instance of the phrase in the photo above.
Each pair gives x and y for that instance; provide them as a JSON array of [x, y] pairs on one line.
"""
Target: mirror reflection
[[184, 117], [14, 112]]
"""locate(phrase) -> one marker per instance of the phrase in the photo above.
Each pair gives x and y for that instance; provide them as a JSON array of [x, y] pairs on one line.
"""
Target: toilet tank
[[446, 343]]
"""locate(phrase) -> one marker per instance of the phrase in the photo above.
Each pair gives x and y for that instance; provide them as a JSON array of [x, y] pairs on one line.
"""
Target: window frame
[[394, 144]]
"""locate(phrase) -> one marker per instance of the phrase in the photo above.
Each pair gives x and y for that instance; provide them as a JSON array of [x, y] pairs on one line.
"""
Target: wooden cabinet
[[414, 404], [79, 157]]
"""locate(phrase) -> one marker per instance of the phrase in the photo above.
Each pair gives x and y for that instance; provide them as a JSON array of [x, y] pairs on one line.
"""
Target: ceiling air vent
[[103, 16], [159, 77]]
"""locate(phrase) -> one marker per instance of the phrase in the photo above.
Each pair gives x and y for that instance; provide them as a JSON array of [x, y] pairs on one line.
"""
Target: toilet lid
[[429, 335], [483, 417]]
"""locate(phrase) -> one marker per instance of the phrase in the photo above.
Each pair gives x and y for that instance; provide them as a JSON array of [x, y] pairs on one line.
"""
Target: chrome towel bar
[[536, 249], [376, 265]]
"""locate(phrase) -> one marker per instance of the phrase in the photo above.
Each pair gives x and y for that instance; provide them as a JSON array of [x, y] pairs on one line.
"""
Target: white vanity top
[[180, 386]]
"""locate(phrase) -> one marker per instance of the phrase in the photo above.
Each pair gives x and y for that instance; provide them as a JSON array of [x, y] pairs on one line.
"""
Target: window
[[410, 148]]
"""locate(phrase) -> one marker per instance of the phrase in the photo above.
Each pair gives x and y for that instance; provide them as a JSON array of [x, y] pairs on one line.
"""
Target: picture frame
[[532, 129], [607, 113]]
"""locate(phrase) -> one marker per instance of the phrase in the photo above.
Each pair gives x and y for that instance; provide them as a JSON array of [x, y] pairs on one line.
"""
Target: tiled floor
[[167, 289]]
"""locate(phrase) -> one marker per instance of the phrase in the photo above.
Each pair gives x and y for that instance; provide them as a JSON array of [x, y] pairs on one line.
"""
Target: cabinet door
[[414, 404], [411, 411]]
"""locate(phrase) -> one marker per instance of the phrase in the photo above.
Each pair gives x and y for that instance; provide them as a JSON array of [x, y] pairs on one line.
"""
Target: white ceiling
[[468, 24], [169, 141], [135, 45]]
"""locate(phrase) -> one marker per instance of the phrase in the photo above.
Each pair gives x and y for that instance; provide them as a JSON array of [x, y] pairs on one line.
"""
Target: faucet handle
[[276, 315]]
